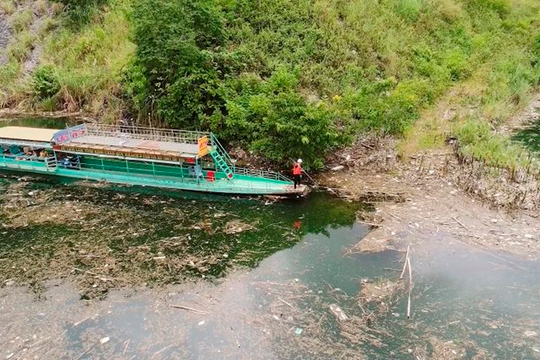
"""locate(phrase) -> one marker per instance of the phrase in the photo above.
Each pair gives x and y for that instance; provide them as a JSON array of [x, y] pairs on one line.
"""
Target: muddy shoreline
[[435, 197]]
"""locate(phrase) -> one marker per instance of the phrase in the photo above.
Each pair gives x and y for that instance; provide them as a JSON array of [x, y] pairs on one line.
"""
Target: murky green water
[[89, 272]]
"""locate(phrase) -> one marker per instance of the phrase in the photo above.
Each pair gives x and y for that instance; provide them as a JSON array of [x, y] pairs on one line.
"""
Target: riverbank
[[432, 197]]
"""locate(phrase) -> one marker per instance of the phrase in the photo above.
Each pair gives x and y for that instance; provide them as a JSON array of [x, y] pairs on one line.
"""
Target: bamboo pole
[[410, 288], [405, 263]]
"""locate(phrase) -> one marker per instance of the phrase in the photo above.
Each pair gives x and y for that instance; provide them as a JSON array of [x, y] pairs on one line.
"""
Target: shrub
[[45, 82], [176, 55], [81, 12], [409, 9]]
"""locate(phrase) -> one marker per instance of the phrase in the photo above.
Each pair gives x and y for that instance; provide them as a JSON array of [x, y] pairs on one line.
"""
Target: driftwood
[[196, 311], [286, 303], [407, 265], [460, 223], [235, 337], [162, 350], [126, 347]]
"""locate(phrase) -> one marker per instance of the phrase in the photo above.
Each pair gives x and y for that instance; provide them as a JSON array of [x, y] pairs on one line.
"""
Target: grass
[[49, 24], [21, 20], [506, 77], [7, 7], [21, 46], [90, 60], [42, 7]]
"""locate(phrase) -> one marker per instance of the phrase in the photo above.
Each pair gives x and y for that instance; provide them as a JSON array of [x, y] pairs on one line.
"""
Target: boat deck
[[141, 146], [131, 141]]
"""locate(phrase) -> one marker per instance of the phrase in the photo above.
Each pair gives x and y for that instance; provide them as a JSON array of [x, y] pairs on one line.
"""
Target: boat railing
[[22, 159], [145, 133], [177, 172], [261, 173]]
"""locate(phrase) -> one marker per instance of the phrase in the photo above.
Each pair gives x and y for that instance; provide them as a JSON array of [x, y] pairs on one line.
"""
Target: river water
[[89, 271]]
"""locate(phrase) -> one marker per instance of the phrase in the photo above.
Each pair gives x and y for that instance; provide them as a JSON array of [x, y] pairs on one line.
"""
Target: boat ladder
[[221, 158], [222, 164]]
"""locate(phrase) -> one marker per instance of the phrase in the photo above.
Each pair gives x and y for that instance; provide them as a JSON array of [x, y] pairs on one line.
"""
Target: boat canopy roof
[[26, 135]]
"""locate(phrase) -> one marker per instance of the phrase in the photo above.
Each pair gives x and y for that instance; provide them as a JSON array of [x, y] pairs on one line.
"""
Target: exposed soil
[[438, 200], [5, 37]]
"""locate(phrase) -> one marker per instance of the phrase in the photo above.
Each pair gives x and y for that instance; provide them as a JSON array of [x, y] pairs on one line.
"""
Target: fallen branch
[[196, 311], [286, 303], [410, 270], [91, 347], [160, 351], [460, 223], [235, 337], [125, 347]]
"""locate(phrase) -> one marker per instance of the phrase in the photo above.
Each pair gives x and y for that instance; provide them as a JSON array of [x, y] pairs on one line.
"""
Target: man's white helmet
[[299, 161]]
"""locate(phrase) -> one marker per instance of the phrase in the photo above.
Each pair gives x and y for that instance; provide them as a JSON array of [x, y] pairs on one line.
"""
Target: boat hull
[[241, 185]]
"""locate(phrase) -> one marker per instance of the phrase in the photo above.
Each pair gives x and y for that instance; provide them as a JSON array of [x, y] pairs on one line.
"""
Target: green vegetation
[[478, 141], [286, 78], [295, 78], [7, 7], [21, 20], [88, 63]]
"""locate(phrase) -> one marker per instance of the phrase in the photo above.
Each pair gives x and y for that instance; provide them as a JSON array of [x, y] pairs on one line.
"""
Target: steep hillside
[[283, 78]]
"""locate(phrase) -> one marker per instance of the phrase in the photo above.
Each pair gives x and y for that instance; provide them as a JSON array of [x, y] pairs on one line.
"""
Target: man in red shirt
[[297, 172]]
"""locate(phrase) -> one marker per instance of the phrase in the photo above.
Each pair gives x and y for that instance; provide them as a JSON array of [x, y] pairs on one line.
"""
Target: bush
[[81, 12], [45, 82], [409, 9], [177, 56], [273, 119]]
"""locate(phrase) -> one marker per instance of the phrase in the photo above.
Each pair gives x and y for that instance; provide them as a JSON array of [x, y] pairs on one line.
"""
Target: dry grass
[[21, 20], [7, 7]]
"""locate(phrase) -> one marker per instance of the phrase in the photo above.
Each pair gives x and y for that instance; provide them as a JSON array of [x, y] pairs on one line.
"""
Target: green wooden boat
[[174, 159]]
